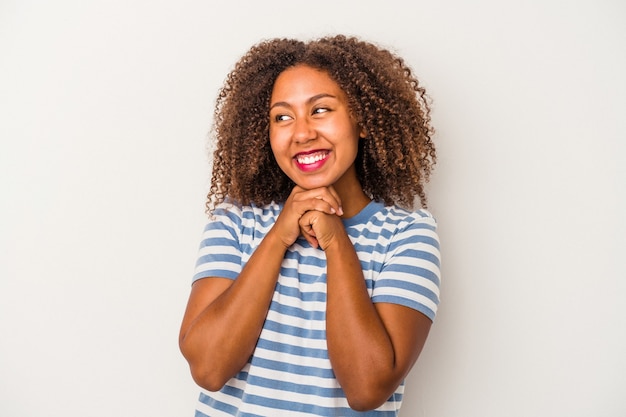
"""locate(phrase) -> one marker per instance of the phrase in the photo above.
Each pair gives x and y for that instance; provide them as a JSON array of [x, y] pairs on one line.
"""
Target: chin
[[310, 185]]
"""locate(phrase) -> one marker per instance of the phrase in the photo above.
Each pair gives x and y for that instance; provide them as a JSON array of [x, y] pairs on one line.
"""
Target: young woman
[[317, 282]]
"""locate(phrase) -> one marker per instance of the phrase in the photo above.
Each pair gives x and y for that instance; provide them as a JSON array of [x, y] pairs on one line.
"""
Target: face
[[313, 136]]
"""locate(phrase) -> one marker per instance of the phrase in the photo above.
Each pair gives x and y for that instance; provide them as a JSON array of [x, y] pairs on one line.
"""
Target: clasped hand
[[314, 214]]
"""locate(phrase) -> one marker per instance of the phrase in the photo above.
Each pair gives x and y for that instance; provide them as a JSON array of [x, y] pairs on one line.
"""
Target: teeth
[[310, 159]]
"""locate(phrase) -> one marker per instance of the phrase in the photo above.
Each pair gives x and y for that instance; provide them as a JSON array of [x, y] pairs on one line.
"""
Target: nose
[[303, 130]]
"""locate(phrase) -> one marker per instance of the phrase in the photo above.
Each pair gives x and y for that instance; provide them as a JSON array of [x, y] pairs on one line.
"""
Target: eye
[[319, 110], [281, 117]]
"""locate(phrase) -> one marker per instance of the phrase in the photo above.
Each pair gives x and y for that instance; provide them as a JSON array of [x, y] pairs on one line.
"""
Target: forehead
[[304, 81]]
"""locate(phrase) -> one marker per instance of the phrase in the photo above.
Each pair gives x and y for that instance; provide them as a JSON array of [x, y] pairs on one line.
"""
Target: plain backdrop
[[105, 107]]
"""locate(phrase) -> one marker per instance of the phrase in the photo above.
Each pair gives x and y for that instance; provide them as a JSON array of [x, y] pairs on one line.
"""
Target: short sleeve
[[220, 254], [410, 275]]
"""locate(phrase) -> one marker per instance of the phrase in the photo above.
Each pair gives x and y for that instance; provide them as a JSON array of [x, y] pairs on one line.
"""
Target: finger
[[307, 231], [320, 225], [335, 195], [314, 203], [309, 235], [323, 194], [323, 206]]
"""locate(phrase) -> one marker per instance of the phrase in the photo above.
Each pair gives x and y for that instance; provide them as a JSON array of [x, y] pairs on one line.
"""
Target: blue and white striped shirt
[[289, 373]]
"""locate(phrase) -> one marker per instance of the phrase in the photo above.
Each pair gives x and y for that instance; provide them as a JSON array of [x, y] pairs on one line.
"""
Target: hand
[[319, 228], [289, 225]]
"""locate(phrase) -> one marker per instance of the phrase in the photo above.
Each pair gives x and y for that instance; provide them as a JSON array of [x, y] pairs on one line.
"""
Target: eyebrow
[[309, 101]]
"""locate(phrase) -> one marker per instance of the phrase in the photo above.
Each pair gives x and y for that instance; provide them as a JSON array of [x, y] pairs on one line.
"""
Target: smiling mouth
[[311, 158]]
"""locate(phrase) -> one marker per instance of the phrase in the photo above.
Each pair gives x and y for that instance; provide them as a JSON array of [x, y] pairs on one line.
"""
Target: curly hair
[[396, 157]]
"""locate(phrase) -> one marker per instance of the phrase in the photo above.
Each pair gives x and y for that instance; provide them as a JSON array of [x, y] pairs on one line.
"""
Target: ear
[[363, 133]]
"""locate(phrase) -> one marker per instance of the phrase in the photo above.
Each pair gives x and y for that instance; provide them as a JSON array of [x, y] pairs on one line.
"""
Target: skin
[[371, 347]]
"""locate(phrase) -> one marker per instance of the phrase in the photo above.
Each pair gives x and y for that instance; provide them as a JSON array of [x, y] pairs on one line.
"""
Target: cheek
[[276, 137], [280, 140], [278, 151], [273, 140]]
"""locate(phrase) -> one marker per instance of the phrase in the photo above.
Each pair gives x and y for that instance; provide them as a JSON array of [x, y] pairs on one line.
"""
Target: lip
[[312, 160]]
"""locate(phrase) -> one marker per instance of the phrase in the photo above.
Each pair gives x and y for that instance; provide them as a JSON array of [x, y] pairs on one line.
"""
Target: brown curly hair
[[396, 157]]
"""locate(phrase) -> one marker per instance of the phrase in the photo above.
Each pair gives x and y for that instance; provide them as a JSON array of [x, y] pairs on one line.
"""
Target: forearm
[[220, 340], [360, 349]]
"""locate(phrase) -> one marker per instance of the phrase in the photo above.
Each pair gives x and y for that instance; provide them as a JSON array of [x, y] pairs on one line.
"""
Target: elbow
[[368, 392], [364, 404], [211, 381], [203, 370], [366, 400]]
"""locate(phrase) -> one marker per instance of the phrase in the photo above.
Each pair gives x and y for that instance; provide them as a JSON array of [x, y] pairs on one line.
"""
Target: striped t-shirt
[[289, 373]]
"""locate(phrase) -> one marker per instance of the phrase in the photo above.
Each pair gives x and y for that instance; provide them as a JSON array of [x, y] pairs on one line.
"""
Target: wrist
[[274, 240], [339, 243]]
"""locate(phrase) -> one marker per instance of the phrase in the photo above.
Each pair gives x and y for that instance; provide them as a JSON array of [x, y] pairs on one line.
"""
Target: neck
[[353, 199]]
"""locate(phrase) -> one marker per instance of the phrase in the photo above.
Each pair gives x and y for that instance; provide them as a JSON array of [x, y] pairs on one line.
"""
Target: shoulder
[[391, 217], [410, 226], [398, 215], [391, 227], [241, 216]]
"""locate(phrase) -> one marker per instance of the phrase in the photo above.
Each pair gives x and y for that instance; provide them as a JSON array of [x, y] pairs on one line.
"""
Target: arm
[[224, 318], [372, 347]]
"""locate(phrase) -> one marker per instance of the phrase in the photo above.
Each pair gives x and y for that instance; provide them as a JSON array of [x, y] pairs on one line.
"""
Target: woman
[[316, 283]]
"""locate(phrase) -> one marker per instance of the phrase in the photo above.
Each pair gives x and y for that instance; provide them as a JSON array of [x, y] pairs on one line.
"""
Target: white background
[[104, 112]]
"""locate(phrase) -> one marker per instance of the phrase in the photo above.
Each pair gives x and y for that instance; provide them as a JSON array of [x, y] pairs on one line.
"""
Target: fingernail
[[332, 210], [340, 211]]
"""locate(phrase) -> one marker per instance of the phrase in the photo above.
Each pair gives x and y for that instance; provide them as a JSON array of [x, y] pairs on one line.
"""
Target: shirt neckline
[[364, 215]]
